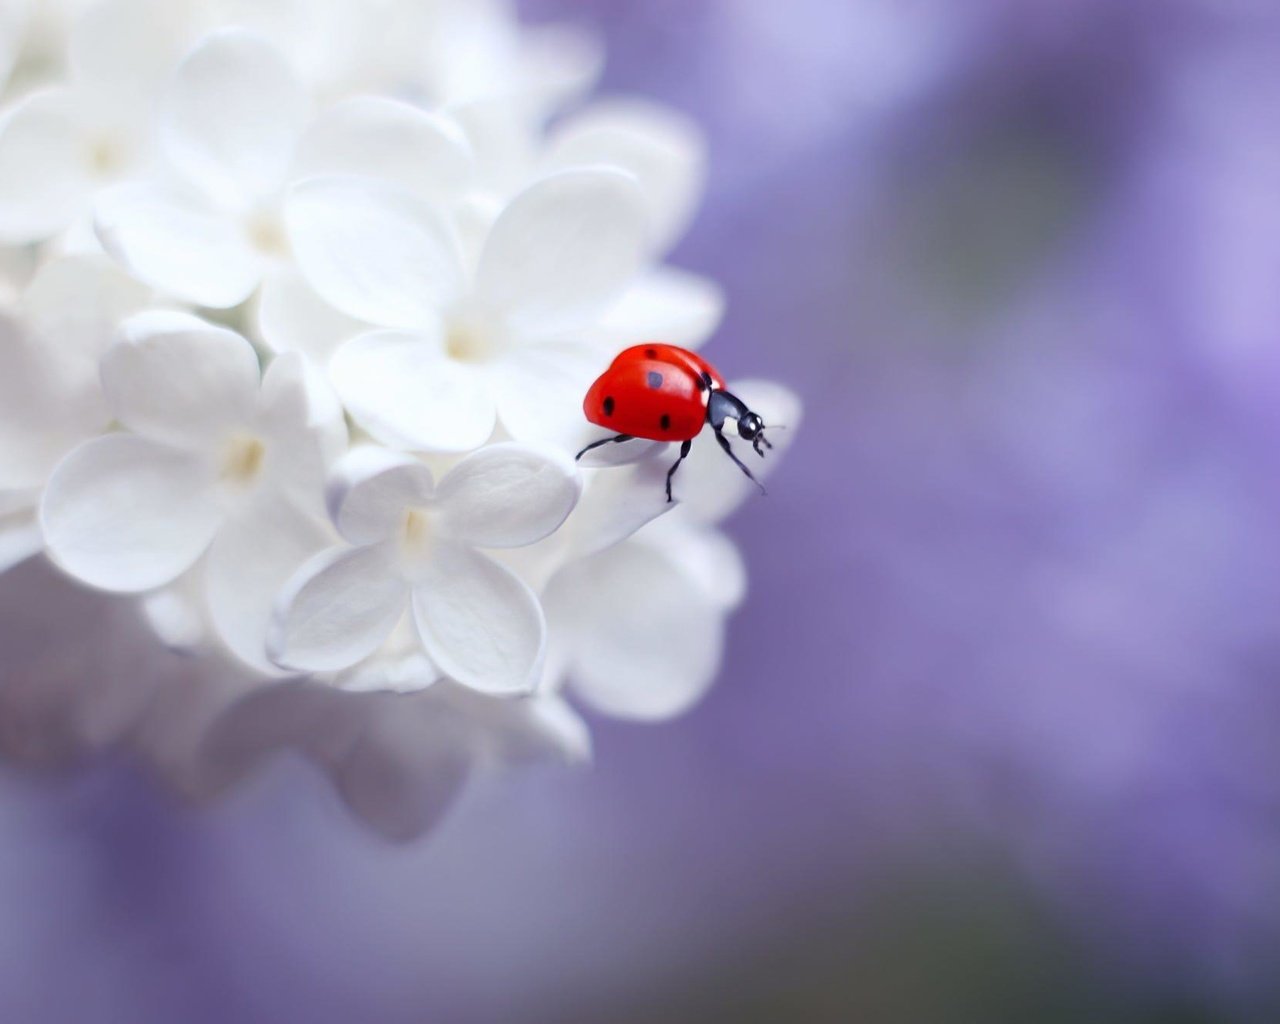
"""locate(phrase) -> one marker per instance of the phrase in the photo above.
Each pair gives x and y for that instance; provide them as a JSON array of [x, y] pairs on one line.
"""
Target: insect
[[667, 393]]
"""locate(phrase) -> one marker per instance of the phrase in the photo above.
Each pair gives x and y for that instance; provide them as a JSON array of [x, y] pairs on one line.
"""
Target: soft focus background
[[998, 734]]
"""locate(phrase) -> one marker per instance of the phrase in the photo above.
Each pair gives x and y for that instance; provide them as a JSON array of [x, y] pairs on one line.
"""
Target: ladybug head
[[751, 428]]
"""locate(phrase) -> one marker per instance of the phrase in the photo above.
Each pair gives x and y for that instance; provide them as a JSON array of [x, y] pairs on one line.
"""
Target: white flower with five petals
[[413, 543]]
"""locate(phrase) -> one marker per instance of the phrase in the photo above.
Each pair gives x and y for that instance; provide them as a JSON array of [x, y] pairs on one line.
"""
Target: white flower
[[50, 398], [641, 625], [234, 131], [81, 673], [638, 627], [437, 53], [414, 542], [61, 145], [228, 129], [662, 149], [211, 462], [468, 344], [666, 155], [373, 137]]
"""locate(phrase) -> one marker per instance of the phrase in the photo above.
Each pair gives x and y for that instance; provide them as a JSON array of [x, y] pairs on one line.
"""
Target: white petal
[[407, 767], [652, 662], [44, 180], [411, 673], [176, 614], [405, 392], [376, 137], [233, 118], [371, 488], [73, 305], [507, 495], [121, 50], [177, 247], [564, 248], [504, 142], [617, 503], [175, 378], [668, 304], [337, 609], [705, 557], [373, 251], [126, 514], [301, 423], [558, 63], [663, 149], [532, 730], [253, 557], [539, 390], [46, 408], [291, 317], [479, 623], [621, 453], [709, 485]]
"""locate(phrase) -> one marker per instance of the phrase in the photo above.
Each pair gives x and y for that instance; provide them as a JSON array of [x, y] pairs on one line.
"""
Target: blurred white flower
[[61, 145], [229, 125], [213, 464], [414, 544], [466, 347], [50, 399], [665, 154], [662, 149], [436, 53]]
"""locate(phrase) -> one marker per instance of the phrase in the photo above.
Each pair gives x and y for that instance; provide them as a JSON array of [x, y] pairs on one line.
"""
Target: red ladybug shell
[[655, 391]]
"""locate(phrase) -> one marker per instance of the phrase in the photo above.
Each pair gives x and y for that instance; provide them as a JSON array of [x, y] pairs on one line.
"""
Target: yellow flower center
[[468, 342], [105, 158], [267, 235], [242, 461], [415, 535]]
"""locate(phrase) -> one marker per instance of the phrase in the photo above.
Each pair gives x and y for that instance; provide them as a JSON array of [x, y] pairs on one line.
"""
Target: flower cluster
[[298, 304]]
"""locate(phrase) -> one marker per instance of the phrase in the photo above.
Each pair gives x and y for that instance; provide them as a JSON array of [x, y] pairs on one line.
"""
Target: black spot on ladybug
[[651, 353], [608, 406], [706, 378], [702, 384], [654, 379], [665, 422]]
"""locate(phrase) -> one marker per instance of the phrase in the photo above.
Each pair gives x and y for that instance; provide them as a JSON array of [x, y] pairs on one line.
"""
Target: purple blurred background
[[996, 737]]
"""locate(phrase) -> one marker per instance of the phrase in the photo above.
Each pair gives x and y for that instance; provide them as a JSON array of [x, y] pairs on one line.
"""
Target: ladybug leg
[[724, 443], [684, 450], [617, 439]]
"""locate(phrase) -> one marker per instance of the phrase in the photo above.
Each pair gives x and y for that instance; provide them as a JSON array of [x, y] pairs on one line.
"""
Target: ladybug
[[667, 393]]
